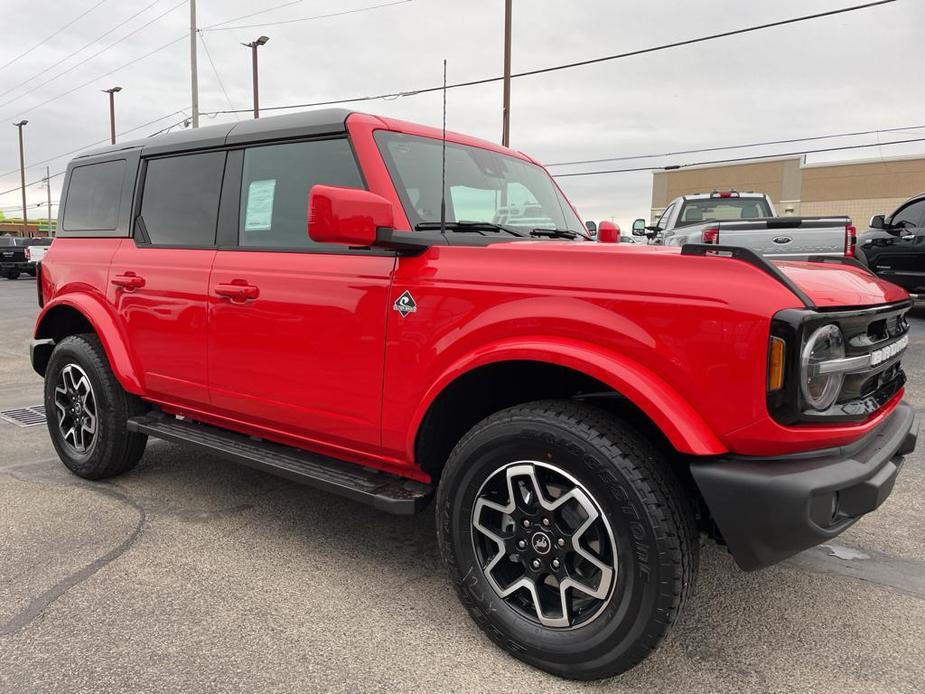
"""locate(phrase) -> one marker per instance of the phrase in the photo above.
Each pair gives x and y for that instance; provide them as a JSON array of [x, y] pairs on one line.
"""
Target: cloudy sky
[[858, 71]]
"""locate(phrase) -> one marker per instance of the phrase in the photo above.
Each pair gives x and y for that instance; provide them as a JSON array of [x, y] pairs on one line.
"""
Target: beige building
[[858, 189]]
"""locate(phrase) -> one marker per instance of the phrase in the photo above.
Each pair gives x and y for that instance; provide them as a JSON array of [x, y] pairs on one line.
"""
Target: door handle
[[128, 280], [237, 290]]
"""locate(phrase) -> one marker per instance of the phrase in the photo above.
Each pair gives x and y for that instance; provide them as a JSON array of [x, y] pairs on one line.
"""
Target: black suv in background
[[894, 246]]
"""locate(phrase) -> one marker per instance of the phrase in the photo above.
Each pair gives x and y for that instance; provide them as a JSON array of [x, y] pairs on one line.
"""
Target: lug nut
[[521, 544], [535, 563], [555, 563], [546, 522], [526, 523], [561, 542]]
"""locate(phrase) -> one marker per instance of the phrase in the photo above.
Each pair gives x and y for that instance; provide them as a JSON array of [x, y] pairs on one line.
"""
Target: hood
[[830, 285]]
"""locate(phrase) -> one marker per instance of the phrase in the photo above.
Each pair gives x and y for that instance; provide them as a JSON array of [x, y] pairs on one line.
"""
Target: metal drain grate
[[25, 416]]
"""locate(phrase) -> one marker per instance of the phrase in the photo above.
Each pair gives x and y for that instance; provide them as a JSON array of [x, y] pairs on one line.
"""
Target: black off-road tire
[[11, 274], [114, 449], [643, 500]]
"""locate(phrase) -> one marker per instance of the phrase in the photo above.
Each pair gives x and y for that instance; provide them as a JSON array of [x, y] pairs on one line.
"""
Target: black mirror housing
[[592, 228], [639, 227], [877, 222]]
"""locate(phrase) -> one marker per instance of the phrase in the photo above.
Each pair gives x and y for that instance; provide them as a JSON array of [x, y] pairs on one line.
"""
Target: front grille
[[879, 331]]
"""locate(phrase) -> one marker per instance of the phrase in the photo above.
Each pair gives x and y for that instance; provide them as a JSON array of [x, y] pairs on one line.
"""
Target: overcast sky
[[855, 71]]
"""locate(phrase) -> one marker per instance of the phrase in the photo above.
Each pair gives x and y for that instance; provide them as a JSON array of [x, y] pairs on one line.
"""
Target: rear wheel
[[11, 274], [87, 411], [569, 539]]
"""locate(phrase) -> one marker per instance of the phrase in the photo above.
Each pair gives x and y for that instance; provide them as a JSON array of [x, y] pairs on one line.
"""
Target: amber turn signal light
[[776, 364]]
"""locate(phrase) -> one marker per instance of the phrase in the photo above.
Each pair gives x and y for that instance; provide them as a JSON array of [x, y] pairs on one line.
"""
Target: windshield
[[723, 209], [481, 185]]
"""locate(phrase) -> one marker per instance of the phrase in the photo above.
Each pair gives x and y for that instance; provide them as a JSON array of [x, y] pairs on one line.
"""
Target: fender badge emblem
[[405, 304], [782, 239]]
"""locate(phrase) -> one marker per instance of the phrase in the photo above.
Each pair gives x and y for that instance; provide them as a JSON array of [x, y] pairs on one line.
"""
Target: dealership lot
[[190, 574]]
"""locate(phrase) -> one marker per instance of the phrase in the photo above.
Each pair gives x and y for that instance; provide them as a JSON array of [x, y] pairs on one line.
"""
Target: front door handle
[[237, 290], [128, 280]]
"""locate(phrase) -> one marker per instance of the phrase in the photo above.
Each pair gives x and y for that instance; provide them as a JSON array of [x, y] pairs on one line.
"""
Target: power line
[[566, 66], [32, 183], [86, 60], [253, 14], [80, 149], [738, 159], [721, 148], [215, 70], [105, 74], [305, 19], [51, 36], [79, 50]]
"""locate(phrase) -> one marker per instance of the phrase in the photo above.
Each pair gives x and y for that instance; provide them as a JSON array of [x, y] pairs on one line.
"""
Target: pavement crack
[[40, 603]]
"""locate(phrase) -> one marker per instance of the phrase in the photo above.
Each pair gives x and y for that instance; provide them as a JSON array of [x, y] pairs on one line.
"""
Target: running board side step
[[378, 489]]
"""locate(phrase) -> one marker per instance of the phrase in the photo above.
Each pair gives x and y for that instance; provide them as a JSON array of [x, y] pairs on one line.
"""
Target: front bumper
[[768, 509]]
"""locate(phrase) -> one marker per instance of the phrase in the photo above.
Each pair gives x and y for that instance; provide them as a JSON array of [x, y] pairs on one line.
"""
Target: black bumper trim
[[770, 509]]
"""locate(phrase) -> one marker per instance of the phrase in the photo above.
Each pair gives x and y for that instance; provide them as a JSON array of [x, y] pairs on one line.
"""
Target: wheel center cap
[[541, 543]]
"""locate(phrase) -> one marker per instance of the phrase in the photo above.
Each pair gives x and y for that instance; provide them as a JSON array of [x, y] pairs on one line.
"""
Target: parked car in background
[[21, 256], [283, 293], [893, 247], [748, 220]]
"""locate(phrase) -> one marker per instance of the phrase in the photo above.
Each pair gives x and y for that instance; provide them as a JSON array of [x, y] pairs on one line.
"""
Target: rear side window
[[94, 196], [275, 185], [179, 204]]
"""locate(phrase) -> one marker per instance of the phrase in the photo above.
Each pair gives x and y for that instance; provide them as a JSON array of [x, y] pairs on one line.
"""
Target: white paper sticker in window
[[258, 215]]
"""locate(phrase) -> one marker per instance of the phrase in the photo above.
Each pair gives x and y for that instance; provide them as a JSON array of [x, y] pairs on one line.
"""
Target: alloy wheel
[[75, 407], [544, 545]]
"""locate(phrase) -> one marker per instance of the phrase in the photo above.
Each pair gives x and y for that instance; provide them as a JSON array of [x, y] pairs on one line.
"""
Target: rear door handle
[[129, 280], [237, 290]]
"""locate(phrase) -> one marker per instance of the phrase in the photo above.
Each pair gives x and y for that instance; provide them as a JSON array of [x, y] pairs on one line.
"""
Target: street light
[[253, 45], [112, 111], [22, 173]]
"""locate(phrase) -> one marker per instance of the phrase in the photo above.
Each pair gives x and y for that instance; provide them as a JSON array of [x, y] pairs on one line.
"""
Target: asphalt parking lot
[[190, 574]]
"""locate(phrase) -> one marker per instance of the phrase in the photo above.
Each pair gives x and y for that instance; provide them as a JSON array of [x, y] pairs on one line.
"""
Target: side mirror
[[877, 222], [608, 232], [347, 215], [592, 228], [639, 227]]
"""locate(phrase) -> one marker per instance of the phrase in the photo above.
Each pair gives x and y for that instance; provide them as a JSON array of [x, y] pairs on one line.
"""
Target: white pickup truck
[[748, 220]]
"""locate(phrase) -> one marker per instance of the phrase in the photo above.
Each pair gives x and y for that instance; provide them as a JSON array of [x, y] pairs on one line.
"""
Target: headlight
[[821, 390]]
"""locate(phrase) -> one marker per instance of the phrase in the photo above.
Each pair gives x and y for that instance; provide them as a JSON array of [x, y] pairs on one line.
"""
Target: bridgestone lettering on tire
[[568, 537], [87, 410]]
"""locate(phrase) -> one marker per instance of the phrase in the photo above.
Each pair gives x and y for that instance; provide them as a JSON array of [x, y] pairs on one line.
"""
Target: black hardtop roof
[[329, 121]]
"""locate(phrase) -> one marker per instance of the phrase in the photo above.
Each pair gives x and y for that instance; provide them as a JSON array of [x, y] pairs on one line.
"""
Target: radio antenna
[[443, 160]]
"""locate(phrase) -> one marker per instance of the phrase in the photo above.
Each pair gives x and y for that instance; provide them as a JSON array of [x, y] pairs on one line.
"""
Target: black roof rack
[[752, 258]]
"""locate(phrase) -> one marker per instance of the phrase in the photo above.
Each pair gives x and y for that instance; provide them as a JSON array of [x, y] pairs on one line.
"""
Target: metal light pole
[[506, 109], [112, 112], [194, 72], [254, 45], [22, 173]]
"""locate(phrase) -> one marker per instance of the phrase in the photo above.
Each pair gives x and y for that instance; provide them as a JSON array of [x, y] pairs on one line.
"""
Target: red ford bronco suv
[[281, 292]]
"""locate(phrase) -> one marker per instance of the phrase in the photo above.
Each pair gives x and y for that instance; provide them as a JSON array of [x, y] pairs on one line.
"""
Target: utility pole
[[48, 187], [506, 109], [22, 173], [254, 45], [112, 112], [194, 73]]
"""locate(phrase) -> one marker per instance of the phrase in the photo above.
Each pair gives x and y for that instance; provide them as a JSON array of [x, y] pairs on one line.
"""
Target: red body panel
[[304, 348]]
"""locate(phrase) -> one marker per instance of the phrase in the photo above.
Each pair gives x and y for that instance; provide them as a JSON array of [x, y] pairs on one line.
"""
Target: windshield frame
[[565, 209]]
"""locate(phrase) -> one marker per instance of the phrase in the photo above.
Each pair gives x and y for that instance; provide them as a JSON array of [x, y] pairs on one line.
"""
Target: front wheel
[[87, 411], [568, 537], [11, 274]]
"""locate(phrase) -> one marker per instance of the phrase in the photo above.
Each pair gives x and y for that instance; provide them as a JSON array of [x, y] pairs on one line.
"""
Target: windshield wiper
[[559, 233], [463, 226]]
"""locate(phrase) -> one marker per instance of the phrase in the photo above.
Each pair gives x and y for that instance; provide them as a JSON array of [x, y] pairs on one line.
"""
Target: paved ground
[[193, 575]]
